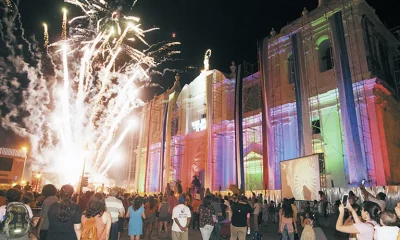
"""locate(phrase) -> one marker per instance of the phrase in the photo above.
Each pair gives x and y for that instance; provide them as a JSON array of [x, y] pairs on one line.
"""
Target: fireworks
[[77, 111], [45, 36], [8, 2], [64, 25]]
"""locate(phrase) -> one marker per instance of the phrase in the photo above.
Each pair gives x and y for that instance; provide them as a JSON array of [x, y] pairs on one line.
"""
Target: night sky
[[230, 28]]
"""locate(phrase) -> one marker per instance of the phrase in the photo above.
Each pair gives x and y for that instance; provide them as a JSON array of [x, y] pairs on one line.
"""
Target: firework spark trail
[[134, 3], [22, 36], [108, 158], [66, 118], [128, 91], [45, 36], [117, 120], [64, 25], [104, 84], [77, 18], [88, 70], [83, 86]]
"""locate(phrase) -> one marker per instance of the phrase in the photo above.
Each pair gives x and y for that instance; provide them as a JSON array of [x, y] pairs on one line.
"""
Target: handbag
[[215, 219]]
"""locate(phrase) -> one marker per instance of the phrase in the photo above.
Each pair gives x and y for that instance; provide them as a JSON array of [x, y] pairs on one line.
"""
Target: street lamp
[[38, 181], [25, 150], [85, 153]]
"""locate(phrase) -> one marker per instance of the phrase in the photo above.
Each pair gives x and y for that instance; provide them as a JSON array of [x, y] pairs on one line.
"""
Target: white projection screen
[[300, 178]]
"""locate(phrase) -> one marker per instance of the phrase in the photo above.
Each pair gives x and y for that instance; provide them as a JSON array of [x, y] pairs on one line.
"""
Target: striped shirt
[[114, 206]]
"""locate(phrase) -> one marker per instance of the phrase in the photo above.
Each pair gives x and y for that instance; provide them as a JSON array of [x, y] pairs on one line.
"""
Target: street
[[269, 232]]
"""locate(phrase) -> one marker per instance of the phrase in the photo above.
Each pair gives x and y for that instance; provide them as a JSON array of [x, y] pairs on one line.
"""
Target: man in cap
[[181, 219]]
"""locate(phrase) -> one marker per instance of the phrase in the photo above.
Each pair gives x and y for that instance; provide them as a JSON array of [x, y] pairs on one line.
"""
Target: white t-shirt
[[386, 233], [114, 206], [3, 212], [180, 212]]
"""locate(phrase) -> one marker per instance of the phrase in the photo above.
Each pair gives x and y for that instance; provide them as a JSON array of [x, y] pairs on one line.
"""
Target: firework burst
[[78, 111]]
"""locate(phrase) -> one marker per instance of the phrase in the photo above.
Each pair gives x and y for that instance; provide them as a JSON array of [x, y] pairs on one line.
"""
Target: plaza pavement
[[270, 232]]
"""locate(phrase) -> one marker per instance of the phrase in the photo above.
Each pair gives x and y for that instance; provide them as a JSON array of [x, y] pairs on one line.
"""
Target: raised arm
[[302, 221], [339, 223], [366, 194], [353, 214]]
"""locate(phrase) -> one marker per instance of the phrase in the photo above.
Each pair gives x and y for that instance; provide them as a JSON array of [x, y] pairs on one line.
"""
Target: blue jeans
[[286, 234], [114, 231]]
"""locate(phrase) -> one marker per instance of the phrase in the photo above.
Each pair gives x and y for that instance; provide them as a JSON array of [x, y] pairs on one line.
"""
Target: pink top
[[366, 230], [285, 221], [100, 226]]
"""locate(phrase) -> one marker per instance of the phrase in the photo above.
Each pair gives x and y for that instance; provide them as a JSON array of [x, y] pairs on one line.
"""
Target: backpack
[[89, 230], [16, 222], [257, 236]]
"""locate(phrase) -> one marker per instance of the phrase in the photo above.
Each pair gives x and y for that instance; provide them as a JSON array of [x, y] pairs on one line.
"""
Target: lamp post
[[25, 150], [83, 173], [38, 181]]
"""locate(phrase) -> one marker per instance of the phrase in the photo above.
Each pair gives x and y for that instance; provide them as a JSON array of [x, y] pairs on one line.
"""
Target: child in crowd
[[388, 229]]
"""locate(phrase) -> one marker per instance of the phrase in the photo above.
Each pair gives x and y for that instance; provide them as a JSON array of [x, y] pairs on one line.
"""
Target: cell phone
[[363, 182], [344, 199]]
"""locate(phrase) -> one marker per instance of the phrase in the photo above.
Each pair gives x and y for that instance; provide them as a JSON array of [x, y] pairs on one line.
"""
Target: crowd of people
[[370, 220], [64, 215]]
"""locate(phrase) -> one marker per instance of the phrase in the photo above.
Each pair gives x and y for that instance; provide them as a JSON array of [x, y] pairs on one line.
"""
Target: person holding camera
[[363, 230]]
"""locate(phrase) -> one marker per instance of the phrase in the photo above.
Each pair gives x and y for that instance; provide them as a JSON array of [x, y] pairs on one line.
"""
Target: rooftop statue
[[207, 56]]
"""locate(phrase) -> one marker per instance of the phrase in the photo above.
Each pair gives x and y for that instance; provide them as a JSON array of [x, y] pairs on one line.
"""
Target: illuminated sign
[[199, 125]]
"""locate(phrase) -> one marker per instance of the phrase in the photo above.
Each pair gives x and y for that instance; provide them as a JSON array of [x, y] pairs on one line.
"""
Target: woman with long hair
[[167, 190], [150, 211], [286, 221], [206, 212], [64, 217], [96, 211], [364, 230], [164, 217], [136, 215]]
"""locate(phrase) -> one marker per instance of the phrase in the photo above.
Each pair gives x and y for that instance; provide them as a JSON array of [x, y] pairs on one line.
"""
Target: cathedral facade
[[327, 85]]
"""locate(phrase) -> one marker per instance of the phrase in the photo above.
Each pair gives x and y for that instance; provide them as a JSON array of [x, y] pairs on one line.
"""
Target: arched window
[[324, 54], [290, 68]]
